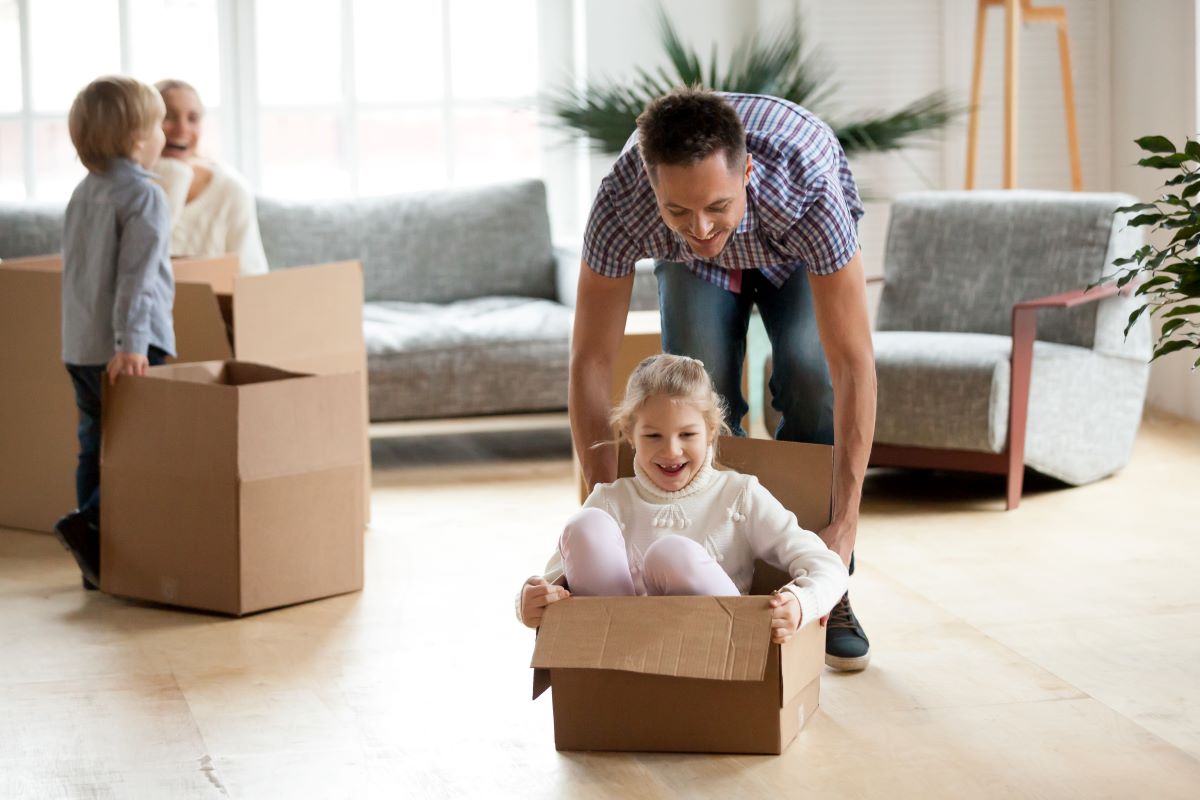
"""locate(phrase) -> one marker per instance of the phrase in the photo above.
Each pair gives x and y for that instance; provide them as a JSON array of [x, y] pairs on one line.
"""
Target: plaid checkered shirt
[[802, 205]]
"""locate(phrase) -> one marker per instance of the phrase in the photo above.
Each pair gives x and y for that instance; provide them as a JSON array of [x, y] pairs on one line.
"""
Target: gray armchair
[[969, 376]]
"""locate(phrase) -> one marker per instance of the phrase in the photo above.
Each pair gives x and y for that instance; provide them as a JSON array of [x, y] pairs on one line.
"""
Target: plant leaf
[[1171, 347], [1192, 149], [1155, 144], [1171, 325], [1179, 311], [1173, 161], [1157, 280], [1133, 318]]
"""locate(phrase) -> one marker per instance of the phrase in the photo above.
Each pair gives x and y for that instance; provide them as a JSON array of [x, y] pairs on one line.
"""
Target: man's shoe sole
[[88, 575], [841, 664]]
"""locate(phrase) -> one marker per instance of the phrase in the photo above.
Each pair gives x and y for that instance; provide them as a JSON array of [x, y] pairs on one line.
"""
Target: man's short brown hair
[[108, 114], [688, 125]]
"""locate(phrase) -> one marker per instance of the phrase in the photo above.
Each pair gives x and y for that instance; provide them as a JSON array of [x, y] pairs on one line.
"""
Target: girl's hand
[[785, 616], [536, 594]]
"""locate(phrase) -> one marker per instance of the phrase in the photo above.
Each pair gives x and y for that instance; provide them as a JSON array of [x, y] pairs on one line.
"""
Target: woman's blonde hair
[[678, 377], [171, 84], [108, 114]]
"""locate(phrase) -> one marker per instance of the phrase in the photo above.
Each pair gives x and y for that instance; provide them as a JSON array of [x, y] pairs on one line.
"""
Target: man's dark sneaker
[[79, 536], [91, 587], [846, 645]]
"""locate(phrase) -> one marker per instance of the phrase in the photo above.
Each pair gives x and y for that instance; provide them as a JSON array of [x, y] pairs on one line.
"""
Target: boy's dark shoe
[[76, 534], [846, 645]]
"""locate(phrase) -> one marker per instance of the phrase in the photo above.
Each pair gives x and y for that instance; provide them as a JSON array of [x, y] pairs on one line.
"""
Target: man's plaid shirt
[[802, 206]]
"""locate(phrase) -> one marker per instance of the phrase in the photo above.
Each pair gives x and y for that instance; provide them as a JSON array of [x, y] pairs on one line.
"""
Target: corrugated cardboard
[[307, 319], [38, 418], [232, 487], [691, 674]]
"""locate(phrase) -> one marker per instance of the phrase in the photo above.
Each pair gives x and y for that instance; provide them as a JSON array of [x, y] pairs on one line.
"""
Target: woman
[[212, 208]]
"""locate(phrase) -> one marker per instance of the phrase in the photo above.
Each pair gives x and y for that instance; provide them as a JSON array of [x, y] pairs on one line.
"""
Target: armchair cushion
[[951, 391]]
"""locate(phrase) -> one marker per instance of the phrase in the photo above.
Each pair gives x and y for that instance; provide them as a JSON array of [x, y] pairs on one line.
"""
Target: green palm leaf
[[778, 65]]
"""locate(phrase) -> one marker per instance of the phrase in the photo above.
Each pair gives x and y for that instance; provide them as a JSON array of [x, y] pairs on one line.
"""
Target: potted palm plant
[[1168, 276], [779, 65]]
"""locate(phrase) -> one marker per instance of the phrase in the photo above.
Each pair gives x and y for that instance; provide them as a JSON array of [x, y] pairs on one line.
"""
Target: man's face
[[702, 202]]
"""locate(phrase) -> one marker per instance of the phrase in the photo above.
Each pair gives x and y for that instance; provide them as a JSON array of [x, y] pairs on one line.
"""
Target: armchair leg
[[1016, 480]]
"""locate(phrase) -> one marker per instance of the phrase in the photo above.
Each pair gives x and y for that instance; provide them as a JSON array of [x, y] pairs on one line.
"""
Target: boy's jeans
[[88, 380], [707, 322]]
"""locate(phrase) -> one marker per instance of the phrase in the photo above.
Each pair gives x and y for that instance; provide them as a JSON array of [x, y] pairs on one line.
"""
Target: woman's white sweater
[[221, 219], [735, 519]]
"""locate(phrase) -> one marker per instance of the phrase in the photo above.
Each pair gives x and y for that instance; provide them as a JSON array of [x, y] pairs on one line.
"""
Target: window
[[321, 99], [65, 44]]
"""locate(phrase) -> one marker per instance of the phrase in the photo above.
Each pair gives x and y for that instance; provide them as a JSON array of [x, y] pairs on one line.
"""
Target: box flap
[[307, 319], [718, 638], [799, 475], [48, 263], [200, 333], [218, 272]]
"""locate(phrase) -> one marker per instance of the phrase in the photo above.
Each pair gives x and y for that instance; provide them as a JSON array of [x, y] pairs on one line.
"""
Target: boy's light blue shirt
[[118, 288]]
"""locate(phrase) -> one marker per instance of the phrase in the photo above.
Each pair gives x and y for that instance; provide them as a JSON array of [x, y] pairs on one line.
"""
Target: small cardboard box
[[232, 487], [691, 674], [307, 319]]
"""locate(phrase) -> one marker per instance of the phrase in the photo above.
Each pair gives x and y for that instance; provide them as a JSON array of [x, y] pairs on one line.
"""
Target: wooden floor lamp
[[1015, 11]]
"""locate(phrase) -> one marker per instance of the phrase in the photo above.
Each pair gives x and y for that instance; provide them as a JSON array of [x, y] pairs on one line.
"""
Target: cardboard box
[[691, 674], [232, 487], [307, 319], [38, 419]]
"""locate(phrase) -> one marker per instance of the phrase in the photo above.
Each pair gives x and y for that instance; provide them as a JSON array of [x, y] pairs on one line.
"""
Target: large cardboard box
[[307, 319], [232, 487], [691, 674]]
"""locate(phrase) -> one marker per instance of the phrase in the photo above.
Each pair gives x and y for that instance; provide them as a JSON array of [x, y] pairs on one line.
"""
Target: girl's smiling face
[[670, 440]]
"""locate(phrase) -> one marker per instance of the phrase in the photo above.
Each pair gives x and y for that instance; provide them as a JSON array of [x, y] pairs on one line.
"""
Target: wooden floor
[[1053, 651]]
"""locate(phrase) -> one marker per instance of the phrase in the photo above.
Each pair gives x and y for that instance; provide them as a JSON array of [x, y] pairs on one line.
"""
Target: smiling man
[[744, 201]]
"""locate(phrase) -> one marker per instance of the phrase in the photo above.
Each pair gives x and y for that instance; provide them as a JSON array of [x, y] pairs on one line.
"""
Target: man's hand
[[785, 616], [127, 364], [536, 594], [839, 537]]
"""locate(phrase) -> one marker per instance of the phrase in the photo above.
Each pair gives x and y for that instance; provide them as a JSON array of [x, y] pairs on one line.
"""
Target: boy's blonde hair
[[108, 114], [678, 377]]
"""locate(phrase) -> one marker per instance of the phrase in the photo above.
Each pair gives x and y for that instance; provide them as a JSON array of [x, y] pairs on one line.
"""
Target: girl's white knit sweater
[[735, 519]]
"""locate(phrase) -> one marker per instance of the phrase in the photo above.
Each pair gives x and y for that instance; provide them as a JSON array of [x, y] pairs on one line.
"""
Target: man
[[745, 201]]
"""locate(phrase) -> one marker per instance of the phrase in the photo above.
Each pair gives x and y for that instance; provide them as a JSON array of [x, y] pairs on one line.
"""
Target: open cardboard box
[[307, 319], [691, 674], [232, 487]]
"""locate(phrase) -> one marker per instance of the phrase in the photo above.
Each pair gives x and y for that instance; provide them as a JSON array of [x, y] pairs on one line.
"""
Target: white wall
[[1154, 64]]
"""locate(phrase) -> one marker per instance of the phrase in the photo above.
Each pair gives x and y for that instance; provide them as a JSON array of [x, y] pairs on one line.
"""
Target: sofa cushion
[[488, 355], [431, 247], [30, 229]]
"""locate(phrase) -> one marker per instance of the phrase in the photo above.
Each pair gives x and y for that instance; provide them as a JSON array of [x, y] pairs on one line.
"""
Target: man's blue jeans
[[88, 380], [707, 322]]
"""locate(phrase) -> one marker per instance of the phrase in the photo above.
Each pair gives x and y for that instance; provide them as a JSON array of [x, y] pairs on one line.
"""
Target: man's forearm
[[589, 389], [854, 429]]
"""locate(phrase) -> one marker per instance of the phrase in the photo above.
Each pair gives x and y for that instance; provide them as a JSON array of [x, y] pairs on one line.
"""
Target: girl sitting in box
[[680, 526]]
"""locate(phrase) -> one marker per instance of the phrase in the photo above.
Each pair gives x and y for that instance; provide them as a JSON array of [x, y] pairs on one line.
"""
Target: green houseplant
[[1168, 276], [778, 65]]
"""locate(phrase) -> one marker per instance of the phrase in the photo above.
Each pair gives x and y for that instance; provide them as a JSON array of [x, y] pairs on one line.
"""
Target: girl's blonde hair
[[678, 377], [108, 114]]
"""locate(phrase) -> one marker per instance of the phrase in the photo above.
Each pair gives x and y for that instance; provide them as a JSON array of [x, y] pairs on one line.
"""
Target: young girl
[[679, 526]]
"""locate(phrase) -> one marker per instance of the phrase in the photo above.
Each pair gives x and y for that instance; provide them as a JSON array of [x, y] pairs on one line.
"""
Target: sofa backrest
[[958, 261], [428, 247], [30, 229]]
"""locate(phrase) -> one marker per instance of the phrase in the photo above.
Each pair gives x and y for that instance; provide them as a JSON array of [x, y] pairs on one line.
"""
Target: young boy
[[118, 288]]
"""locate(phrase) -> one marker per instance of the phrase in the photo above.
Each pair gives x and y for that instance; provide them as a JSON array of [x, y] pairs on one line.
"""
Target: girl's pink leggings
[[596, 565]]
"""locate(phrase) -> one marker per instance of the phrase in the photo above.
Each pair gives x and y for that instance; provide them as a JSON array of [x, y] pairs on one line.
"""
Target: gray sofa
[[468, 308]]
